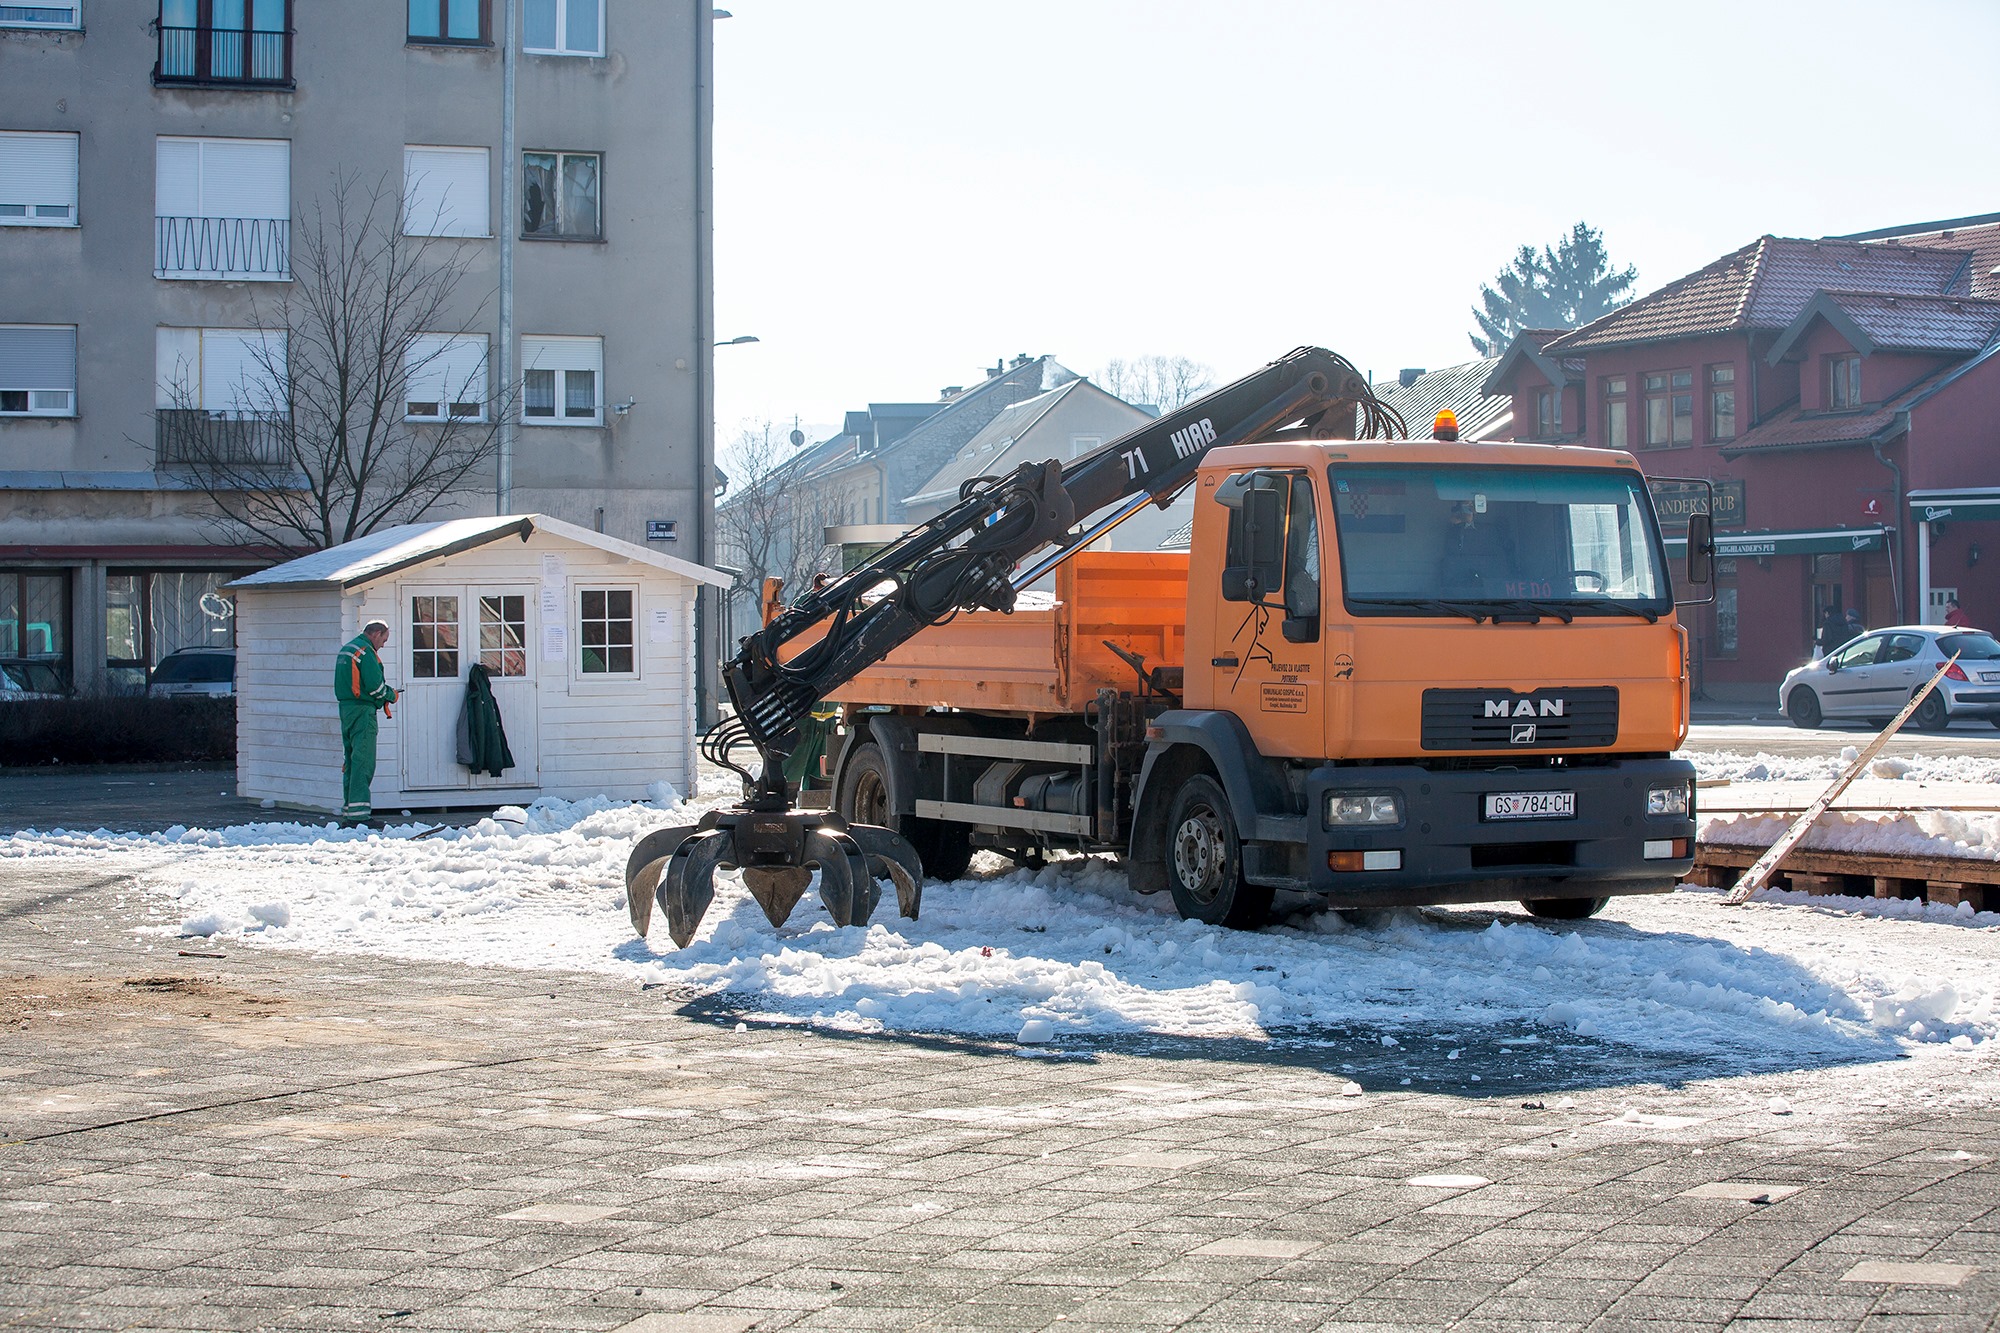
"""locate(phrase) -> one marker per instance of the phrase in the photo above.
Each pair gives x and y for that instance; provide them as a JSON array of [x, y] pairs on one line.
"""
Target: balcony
[[195, 437], [214, 57], [231, 249]]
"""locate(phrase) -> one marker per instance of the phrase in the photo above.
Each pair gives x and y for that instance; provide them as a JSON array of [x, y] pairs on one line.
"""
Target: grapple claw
[[688, 886], [642, 872], [845, 886], [777, 890], [891, 855]]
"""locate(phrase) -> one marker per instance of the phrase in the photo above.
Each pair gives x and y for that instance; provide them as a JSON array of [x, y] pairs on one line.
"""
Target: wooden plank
[[1766, 865]]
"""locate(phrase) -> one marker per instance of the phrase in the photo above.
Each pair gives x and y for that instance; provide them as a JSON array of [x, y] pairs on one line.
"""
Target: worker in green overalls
[[358, 685]]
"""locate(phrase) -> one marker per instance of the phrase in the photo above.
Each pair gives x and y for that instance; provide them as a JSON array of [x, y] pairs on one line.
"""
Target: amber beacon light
[[1446, 426]]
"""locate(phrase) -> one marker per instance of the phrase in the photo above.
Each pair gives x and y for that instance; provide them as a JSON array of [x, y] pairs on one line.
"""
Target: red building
[[1842, 396]]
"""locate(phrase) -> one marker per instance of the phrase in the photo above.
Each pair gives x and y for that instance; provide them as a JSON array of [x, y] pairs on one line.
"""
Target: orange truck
[[1386, 673]]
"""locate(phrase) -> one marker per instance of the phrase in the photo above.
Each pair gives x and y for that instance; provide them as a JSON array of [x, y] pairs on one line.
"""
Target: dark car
[[31, 680], [194, 671]]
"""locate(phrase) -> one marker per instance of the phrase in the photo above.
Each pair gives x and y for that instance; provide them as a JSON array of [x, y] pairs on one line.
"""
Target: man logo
[[1525, 707], [1523, 733]]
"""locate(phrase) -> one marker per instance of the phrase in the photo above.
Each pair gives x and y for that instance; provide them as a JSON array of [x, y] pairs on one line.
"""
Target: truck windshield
[[1443, 540]]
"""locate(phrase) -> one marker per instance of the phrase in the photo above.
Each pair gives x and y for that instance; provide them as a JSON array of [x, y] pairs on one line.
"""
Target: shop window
[[34, 623], [1725, 622], [151, 613]]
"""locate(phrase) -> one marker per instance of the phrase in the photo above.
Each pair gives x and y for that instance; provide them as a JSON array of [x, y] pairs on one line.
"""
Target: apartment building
[[158, 160]]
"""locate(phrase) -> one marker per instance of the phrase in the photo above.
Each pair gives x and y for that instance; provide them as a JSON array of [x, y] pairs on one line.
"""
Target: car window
[[1902, 647], [1977, 646], [1859, 653], [195, 668]]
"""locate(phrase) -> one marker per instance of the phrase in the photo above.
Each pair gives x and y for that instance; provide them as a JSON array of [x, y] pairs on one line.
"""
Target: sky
[[907, 191]]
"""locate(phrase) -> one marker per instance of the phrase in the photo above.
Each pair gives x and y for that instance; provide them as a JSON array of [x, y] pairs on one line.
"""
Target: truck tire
[[1564, 909], [863, 798], [1205, 860]]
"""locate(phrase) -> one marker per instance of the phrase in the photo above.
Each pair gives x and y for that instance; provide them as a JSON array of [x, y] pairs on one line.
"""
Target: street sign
[[662, 530]]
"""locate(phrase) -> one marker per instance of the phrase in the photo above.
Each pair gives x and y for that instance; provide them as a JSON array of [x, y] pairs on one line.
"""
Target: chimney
[[949, 392], [1406, 377], [1020, 360]]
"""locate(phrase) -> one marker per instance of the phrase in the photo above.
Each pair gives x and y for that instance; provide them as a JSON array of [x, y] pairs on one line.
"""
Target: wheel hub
[[1198, 853]]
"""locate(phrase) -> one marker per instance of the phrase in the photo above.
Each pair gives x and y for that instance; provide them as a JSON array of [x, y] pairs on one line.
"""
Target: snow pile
[[1917, 833], [1761, 767]]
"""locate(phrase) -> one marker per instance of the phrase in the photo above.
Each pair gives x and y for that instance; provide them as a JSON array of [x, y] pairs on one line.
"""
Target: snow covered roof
[[391, 550]]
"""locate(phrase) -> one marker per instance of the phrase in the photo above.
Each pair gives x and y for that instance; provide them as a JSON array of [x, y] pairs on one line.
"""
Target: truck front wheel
[[1205, 860], [1564, 909]]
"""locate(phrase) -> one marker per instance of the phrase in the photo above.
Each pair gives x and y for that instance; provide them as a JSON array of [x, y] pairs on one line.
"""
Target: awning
[[1934, 506], [1817, 541]]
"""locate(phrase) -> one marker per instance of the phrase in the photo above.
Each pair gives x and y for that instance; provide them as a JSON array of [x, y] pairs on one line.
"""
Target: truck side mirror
[[1254, 566], [1701, 548]]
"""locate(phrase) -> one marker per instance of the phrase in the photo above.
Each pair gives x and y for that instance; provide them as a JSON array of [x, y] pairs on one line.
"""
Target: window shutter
[[177, 178], [234, 377], [562, 353], [446, 192], [38, 357], [445, 369], [38, 171], [176, 368], [246, 178]]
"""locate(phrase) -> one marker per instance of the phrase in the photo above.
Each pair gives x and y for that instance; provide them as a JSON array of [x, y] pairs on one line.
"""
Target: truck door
[[1268, 655]]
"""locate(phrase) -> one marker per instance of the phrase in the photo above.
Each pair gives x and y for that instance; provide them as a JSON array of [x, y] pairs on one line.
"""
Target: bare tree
[[773, 523], [360, 398], [1165, 382]]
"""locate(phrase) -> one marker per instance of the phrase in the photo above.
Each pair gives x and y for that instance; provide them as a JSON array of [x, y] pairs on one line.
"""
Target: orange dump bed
[[1047, 656]]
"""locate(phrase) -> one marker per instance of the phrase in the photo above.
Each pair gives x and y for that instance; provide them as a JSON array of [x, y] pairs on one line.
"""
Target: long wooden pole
[[1760, 872]]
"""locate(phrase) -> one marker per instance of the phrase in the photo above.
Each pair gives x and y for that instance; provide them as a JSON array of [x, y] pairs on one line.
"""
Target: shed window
[[434, 638], [37, 180], [605, 639], [503, 634]]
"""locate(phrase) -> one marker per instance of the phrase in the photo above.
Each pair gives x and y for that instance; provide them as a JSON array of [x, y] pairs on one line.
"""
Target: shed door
[[433, 689], [505, 647]]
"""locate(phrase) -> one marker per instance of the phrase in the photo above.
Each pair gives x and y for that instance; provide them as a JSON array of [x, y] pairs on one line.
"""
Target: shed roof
[[389, 551]]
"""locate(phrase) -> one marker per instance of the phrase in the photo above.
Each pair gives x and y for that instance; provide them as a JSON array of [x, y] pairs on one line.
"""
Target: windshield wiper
[[1475, 614], [1616, 608]]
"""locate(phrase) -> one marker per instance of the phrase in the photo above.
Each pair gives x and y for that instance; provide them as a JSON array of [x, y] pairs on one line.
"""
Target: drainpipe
[[1923, 570], [1896, 535], [503, 474], [703, 496]]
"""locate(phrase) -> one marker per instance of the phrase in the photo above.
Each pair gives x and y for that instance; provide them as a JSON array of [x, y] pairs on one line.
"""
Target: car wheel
[[1205, 860], [1802, 707], [1932, 714], [1564, 909]]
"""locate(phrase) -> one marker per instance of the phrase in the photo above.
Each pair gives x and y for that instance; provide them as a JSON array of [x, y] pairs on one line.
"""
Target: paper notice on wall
[[552, 608], [660, 625], [555, 643], [552, 568]]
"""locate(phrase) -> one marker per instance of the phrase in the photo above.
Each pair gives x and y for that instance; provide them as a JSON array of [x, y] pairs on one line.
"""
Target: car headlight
[[1668, 800], [1351, 808]]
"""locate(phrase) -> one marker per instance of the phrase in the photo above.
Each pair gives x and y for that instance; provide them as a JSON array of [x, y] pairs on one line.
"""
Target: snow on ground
[[1070, 950], [1760, 767]]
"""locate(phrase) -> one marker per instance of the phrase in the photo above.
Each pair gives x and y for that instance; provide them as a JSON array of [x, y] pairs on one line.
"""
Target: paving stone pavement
[[272, 1140]]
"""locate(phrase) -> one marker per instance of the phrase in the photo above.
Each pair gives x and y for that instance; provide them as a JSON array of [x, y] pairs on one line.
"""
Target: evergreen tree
[[1562, 287]]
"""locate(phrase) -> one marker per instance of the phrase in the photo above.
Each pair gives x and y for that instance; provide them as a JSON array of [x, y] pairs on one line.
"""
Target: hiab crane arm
[[965, 558]]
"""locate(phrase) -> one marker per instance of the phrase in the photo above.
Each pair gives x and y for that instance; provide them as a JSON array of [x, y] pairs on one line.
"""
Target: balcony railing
[[224, 57], [194, 437], [247, 248]]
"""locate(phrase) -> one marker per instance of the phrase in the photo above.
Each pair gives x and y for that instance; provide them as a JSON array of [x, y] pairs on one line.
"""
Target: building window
[[605, 622], [444, 377], [449, 23], [221, 397], [1725, 621], [1079, 445], [41, 16], [34, 630], [434, 638], [1722, 402], [151, 613], [222, 209], [37, 180], [503, 634], [1617, 428], [37, 370], [445, 191], [1669, 408], [559, 382], [563, 27], [245, 43], [1548, 413], [1843, 382], [559, 196]]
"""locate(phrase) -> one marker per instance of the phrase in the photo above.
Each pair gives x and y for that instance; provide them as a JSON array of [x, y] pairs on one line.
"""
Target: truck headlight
[[1351, 808], [1668, 800]]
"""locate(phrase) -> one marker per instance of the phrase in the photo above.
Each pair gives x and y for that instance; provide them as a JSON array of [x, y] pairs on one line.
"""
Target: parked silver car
[[194, 671], [1871, 676]]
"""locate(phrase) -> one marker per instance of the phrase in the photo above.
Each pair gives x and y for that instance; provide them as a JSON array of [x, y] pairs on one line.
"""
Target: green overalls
[[358, 685]]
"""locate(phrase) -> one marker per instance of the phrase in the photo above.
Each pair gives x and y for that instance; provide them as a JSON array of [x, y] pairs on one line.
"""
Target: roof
[[1978, 236], [998, 447], [389, 551], [1461, 390], [1878, 321], [1768, 282]]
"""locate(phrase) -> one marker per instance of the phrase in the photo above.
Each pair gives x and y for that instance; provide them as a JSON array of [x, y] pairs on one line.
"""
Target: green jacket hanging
[[482, 740]]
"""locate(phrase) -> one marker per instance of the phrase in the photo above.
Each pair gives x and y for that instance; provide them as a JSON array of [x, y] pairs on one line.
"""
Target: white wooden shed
[[589, 639]]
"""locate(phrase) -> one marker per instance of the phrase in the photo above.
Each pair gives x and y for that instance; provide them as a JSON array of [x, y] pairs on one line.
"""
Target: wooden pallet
[[1934, 879]]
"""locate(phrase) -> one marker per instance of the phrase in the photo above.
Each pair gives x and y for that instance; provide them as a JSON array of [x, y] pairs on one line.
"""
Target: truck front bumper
[[1449, 848]]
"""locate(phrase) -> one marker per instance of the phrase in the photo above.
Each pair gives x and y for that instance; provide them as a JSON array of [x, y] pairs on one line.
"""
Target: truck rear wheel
[[1205, 860], [863, 798], [1564, 909]]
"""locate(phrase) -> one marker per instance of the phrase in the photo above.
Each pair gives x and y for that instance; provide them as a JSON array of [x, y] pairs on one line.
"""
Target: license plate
[[1989, 676], [1531, 805]]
